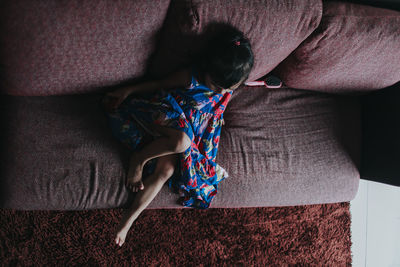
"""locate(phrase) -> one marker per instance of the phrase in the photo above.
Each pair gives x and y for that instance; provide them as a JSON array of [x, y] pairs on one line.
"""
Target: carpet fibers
[[301, 235]]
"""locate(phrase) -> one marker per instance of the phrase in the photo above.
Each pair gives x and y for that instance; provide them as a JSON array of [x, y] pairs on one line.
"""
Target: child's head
[[227, 60]]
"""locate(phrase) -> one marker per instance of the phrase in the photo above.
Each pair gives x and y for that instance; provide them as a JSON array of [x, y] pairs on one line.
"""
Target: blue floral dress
[[195, 110]]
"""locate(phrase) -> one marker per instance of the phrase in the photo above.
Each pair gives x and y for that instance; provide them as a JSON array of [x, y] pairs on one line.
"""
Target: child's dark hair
[[227, 59]]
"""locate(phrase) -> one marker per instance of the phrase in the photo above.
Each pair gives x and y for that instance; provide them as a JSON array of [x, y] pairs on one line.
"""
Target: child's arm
[[180, 78]]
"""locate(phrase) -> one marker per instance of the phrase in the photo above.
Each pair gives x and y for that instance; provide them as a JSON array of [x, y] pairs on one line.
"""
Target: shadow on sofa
[[380, 142]]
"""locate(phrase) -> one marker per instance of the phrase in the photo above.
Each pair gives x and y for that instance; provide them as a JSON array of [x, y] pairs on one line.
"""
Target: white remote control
[[270, 82]]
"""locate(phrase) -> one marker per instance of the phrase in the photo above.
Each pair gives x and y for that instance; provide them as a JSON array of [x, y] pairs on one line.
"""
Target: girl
[[179, 126]]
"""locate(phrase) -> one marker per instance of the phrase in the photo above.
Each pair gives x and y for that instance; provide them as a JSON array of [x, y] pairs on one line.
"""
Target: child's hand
[[115, 98]]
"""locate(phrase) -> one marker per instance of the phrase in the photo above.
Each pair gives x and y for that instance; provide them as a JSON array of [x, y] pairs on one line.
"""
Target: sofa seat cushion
[[63, 47], [274, 28], [280, 147], [356, 48], [289, 147]]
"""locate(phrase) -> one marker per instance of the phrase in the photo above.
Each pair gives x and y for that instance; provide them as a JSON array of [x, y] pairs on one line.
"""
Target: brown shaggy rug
[[301, 235]]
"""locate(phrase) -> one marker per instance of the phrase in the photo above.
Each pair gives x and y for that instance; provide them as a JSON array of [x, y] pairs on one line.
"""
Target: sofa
[[297, 145]]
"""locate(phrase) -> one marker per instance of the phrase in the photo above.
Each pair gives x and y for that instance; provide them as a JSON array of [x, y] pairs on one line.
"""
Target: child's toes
[[140, 185], [120, 236], [119, 241], [135, 187]]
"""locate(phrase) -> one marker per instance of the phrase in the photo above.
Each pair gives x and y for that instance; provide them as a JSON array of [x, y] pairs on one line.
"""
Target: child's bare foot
[[134, 181], [121, 236]]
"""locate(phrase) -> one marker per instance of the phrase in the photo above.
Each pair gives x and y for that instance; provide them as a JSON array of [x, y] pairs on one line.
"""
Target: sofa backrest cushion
[[274, 28], [356, 48], [63, 47]]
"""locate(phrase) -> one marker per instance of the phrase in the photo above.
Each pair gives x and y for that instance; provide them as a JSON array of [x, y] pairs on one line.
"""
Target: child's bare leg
[[153, 184], [172, 142]]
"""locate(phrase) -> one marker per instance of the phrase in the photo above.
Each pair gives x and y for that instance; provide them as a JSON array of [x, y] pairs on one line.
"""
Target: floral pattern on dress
[[195, 110]]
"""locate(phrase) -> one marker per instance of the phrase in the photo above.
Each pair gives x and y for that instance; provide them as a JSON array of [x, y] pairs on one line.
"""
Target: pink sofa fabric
[[71, 46], [280, 147], [356, 48], [274, 28]]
